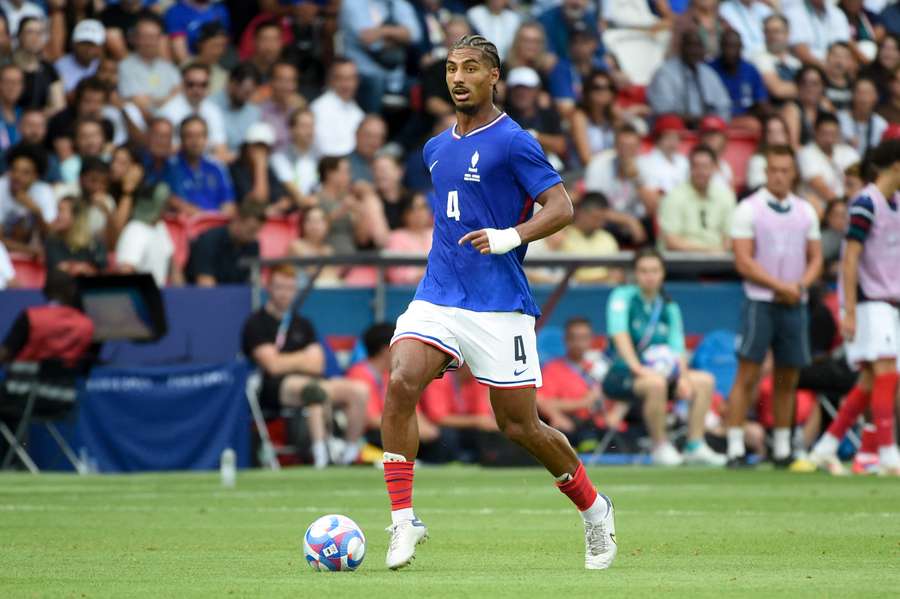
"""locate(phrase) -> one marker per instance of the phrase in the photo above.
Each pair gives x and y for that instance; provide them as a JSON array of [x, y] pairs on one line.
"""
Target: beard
[[467, 109]]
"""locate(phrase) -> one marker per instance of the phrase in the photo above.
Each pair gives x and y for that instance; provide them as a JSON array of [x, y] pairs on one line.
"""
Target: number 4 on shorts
[[519, 349]]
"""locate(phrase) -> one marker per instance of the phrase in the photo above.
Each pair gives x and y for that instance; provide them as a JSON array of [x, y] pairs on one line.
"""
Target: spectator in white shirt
[[145, 245], [235, 102], [495, 21], [297, 166], [146, 78], [775, 62], [16, 10], [27, 204], [861, 126], [747, 17], [664, 167], [7, 272], [285, 99], [774, 133], [815, 25], [823, 161], [615, 174], [194, 100], [337, 113], [87, 47]]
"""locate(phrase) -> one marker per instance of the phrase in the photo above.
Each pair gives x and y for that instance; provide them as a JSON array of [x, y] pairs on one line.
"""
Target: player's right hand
[[493, 241], [848, 326], [789, 293], [478, 239]]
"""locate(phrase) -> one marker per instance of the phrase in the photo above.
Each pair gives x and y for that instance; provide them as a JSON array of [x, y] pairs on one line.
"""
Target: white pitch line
[[451, 511]]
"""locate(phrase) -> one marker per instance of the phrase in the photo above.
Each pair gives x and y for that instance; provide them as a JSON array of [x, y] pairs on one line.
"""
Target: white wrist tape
[[503, 240]]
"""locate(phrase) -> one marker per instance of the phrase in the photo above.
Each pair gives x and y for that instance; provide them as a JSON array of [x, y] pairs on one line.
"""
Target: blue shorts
[[618, 385], [781, 328]]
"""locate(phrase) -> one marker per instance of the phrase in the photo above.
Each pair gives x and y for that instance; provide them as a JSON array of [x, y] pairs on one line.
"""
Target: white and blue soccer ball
[[334, 543], [663, 360]]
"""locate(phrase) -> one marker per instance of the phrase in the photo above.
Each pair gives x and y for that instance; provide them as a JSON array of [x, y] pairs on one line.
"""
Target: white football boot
[[828, 462], [404, 538], [600, 540], [704, 455], [665, 454]]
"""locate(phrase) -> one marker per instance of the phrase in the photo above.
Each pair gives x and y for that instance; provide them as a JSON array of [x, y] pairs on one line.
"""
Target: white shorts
[[500, 347], [877, 333]]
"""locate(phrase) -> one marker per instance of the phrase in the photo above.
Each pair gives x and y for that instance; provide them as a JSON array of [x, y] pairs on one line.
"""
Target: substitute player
[[870, 289], [778, 252], [474, 303]]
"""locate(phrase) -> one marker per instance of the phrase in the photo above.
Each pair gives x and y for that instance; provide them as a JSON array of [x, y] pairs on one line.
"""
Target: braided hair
[[479, 42]]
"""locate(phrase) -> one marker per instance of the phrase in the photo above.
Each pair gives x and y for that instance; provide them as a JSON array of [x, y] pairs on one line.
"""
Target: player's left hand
[[492, 241]]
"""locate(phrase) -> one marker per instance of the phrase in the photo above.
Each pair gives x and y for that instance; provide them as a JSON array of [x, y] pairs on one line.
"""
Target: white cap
[[524, 76], [89, 30], [260, 133]]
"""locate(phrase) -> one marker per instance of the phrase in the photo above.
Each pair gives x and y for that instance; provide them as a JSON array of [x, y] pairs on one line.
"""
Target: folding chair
[[832, 413], [38, 392], [267, 453]]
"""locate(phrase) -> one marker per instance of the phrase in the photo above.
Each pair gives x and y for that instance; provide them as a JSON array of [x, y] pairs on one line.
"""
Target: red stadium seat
[[277, 234], [30, 272], [199, 224], [179, 233], [632, 95], [737, 154], [416, 97]]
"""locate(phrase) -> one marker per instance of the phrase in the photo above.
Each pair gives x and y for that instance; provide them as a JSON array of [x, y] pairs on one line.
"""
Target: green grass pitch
[[494, 533]]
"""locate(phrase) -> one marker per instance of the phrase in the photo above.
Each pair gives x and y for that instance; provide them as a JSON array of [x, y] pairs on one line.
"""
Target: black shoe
[[782, 463], [739, 463]]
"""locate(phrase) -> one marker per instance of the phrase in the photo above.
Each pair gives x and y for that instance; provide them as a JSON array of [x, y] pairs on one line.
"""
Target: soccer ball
[[663, 360], [334, 543]]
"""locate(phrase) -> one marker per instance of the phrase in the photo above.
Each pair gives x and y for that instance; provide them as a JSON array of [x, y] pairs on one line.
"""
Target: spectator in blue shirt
[[743, 82], [890, 18], [565, 80], [560, 21], [378, 35], [183, 22], [160, 149], [12, 84], [198, 184]]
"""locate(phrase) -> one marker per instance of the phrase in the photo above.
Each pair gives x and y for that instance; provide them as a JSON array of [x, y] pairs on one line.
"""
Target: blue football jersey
[[487, 178]]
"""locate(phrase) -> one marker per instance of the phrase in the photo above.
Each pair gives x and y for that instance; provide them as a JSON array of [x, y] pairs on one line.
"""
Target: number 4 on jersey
[[453, 205]]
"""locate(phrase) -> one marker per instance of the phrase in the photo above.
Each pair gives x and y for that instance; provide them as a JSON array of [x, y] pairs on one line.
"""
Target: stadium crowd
[[177, 137]]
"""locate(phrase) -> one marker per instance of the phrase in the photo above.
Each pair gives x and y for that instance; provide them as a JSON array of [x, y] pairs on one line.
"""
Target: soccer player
[[778, 252], [474, 303], [870, 288]]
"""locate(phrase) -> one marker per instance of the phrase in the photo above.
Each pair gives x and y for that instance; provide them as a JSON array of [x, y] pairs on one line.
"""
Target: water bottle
[[228, 468]]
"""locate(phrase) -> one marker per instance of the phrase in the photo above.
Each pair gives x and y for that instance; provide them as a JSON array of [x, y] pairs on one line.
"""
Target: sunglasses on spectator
[[196, 83]]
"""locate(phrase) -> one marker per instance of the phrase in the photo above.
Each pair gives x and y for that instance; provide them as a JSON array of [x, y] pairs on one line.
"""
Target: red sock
[[579, 489], [867, 441], [854, 404], [884, 391], [398, 476]]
